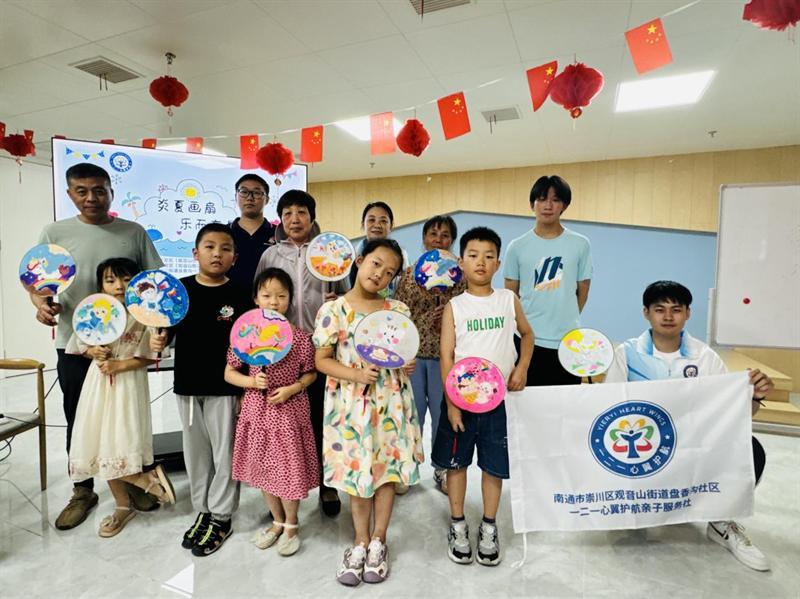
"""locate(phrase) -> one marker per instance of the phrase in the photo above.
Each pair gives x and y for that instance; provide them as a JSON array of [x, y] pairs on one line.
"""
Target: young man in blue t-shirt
[[550, 268]]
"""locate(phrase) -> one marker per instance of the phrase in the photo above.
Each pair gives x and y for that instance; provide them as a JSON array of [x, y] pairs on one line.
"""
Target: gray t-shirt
[[90, 245]]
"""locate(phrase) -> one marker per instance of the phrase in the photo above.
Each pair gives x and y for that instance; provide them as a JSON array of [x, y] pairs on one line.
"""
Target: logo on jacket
[[225, 313], [633, 439], [690, 371], [548, 274]]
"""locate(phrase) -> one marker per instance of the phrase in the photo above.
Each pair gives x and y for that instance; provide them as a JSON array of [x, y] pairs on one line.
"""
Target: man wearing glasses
[[251, 231]]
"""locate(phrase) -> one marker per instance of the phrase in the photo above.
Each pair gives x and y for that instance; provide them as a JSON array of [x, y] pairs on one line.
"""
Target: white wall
[[24, 209]]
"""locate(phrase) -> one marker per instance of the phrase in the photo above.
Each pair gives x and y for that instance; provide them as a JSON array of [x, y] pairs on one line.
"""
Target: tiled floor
[[146, 560]]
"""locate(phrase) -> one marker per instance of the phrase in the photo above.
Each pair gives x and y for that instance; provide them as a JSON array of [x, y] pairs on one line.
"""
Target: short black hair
[[252, 177], [274, 273], [666, 291], [381, 205], [214, 228], [120, 267], [543, 185], [298, 197], [441, 220], [374, 244], [480, 234], [87, 170]]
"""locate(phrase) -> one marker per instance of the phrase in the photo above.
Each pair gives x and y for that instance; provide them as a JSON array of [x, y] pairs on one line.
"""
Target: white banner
[[630, 455]]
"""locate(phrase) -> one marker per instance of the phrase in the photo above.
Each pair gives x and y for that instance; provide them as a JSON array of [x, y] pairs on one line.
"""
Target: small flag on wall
[[29, 137], [194, 145], [382, 133], [149, 142], [539, 80], [648, 46], [248, 146], [311, 144], [107, 141], [2, 130], [454, 116]]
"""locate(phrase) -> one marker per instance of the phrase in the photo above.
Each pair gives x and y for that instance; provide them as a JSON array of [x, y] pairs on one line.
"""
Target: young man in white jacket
[[666, 351]]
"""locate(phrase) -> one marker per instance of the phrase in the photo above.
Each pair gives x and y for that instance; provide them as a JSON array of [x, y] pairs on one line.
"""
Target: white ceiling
[[270, 65]]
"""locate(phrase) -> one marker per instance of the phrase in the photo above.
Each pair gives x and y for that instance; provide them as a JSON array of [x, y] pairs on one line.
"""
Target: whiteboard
[[757, 298]]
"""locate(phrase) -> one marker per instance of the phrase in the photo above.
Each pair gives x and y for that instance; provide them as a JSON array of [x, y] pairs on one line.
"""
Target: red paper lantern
[[275, 158], [575, 87], [772, 14], [413, 137], [169, 92], [17, 145]]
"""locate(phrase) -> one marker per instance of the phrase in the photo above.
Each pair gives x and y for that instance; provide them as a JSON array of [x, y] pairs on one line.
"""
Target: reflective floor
[[146, 559]]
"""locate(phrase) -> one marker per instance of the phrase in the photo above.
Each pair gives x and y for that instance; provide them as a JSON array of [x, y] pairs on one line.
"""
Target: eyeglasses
[[256, 194]]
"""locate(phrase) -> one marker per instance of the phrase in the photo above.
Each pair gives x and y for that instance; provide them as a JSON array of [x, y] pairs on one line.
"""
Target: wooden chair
[[19, 422]]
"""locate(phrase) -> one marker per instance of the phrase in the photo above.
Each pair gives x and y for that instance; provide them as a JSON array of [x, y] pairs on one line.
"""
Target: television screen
[[172, 194]]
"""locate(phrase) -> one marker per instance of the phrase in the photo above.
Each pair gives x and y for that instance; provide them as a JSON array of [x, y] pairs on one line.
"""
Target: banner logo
[[120, 162], [633, 439]]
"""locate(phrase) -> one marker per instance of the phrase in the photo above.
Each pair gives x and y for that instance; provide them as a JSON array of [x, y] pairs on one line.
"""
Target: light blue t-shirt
[[548, 271]]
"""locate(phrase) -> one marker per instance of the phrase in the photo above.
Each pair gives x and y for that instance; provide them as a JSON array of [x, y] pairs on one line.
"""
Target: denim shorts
[[485, 431]]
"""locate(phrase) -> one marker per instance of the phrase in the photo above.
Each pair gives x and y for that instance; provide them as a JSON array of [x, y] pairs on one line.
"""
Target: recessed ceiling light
[[359, 127], [676, 90]]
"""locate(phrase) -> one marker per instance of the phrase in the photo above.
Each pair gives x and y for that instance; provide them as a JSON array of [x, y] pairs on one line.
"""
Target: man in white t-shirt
[[666, 351]]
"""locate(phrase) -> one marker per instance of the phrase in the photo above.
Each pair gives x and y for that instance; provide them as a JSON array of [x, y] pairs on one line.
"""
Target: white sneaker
[[731, 535]]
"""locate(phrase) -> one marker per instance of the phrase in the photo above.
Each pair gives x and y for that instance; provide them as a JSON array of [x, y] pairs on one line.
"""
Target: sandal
[[160, 486], [266, 538], [112, 525], [289, 545]]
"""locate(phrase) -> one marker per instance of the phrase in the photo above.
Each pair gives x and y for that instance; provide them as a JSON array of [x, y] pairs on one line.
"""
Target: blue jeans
[[426, 382]]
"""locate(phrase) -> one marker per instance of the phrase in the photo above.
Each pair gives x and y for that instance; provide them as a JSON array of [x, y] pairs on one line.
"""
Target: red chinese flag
[[539, 80], [149, 142], [194, 145], [311, 144], [2, 130], [248, 146], [29, 137], [59, 137], [107, 141], [649, 47], [381, 127], [453, 113]]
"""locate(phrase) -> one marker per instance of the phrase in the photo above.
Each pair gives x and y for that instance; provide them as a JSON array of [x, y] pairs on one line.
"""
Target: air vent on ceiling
[[434, 5], [501, 114], [109, 70]]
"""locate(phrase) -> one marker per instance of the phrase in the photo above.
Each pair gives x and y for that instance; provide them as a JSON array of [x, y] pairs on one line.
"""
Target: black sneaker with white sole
[[214, 536], [458, 547], [488, 545]]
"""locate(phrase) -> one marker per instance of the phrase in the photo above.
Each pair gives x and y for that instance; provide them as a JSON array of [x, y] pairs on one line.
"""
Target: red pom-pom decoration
[[275, 158], [772, 14], [413, 138], [168, 91], [17, 145], [575, 87]]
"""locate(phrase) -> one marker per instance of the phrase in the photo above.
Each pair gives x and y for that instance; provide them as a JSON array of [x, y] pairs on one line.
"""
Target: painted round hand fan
[[157, 299], [387, 339], [99, 319], [585, 352], [475, 385], [261, 337], [330, 256], [47, 269], [437, 270]]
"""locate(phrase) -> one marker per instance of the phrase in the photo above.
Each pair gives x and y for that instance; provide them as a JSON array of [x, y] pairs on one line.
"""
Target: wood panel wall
[[675, 192]]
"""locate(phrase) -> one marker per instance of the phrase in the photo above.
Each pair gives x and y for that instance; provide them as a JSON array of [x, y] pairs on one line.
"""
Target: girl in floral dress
[[112, 437], [371, 436], [274, 448]]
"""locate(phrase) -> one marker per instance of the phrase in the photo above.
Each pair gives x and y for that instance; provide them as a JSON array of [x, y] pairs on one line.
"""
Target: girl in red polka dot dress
[[274, 447]]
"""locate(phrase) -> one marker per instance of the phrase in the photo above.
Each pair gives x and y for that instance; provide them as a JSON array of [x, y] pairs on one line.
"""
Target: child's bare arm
[[239, 379], [111, 367], [447, 356], [519, 375], [327, 364]]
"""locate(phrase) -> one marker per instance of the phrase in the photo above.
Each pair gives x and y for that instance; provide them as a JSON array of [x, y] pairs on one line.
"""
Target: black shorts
[[485, 431]]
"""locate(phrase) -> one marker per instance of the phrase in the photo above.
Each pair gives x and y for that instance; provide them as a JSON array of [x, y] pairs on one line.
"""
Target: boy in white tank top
[[480, 322]]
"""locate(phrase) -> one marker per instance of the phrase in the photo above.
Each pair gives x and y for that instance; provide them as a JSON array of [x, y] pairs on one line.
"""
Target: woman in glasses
[[251, 231]]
